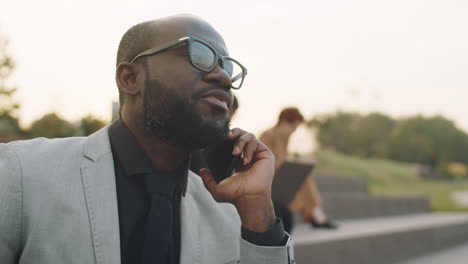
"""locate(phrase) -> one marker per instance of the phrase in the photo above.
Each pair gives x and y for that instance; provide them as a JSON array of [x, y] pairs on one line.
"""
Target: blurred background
[[383, 85]]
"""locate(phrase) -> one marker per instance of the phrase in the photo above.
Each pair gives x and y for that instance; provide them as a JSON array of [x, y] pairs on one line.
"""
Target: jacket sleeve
[[10, 205], [253, 254]]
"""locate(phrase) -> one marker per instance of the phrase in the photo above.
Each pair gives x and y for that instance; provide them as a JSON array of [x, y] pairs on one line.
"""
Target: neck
[[165, 156], [284, 129]]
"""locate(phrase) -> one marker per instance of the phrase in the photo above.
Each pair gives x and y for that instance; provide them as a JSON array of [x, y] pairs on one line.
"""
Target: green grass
[[386, 177]]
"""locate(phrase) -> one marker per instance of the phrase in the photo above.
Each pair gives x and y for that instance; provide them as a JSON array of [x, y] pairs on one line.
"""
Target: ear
[[127, 76]]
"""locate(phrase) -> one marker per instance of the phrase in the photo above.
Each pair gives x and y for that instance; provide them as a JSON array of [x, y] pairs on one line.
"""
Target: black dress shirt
[[131, 165]]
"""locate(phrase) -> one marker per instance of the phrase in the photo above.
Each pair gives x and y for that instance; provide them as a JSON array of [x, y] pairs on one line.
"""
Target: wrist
[[256, 214]]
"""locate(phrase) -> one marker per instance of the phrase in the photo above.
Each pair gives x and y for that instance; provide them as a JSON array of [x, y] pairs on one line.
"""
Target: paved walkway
[[455, 255]]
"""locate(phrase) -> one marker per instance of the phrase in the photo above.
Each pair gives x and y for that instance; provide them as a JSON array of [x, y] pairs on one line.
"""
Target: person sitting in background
[[307, 201]]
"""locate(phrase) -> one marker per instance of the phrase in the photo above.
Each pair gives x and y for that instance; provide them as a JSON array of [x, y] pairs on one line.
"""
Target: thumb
[[208, 180]]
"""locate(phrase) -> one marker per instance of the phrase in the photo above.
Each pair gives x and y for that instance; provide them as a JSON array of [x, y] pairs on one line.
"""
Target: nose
[[218, 76]]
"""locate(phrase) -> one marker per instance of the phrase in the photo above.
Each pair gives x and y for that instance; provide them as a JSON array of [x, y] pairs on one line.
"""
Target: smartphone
[[220, 160]]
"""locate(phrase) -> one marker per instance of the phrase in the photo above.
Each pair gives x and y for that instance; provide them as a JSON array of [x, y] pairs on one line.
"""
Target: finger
[[241, 142], [235, 133], [249, 151], [208, 180]]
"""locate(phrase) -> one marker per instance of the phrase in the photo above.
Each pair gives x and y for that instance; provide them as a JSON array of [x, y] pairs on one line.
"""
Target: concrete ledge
[[341, 184], [354, 205], [380, 240]]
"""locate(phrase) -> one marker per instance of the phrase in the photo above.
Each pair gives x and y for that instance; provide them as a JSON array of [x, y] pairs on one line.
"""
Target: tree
[[420, 139], [372, 134], [90, 124], [52, 126], [434, 140], [8, 108], [354, 134], [336, 130]]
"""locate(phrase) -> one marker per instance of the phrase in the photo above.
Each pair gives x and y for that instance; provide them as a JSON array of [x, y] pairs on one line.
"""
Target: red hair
[[290, 115]]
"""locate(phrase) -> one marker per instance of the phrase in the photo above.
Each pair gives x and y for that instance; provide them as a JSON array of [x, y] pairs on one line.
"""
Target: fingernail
[[235, 150], [245, 161]]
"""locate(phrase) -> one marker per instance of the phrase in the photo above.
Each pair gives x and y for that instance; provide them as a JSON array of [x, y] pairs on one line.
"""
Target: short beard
[[171, 118]]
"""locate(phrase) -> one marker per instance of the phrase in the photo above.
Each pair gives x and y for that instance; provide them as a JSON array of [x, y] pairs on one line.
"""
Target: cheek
[[188, 73], [179, 76], [182, 75]]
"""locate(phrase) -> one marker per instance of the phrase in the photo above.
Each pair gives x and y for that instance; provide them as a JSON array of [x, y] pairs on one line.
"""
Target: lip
[[219, 95]]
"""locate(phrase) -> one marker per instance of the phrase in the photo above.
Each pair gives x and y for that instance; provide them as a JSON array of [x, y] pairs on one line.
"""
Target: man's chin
[[189, 126], [210, 132], [196, 135], [211, 113], [214, 122]]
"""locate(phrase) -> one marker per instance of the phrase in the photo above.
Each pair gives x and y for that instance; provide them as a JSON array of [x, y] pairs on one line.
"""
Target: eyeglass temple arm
[[238, 76], [159, 48]]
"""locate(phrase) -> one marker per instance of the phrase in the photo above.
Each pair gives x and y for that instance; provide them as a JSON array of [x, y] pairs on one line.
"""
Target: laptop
[[288, 180]]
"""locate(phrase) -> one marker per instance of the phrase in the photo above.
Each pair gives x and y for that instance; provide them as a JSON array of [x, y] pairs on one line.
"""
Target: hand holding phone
[[220, 159], [249, 188]]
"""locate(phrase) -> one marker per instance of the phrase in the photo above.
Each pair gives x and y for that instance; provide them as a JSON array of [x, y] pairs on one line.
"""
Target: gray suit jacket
[[58, 204]]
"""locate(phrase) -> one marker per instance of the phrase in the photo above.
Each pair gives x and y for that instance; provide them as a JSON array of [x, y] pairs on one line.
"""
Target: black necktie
[[158, 237]]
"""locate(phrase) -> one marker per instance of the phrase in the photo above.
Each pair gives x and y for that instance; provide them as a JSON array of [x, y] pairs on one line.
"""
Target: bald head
[[149, 34], [135, 40]]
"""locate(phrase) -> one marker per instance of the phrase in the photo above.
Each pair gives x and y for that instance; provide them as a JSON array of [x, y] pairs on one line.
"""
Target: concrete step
[[340, 184], [355, 205], [380, 240]]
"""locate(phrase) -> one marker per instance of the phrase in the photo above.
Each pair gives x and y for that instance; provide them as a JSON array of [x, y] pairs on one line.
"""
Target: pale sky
[[400, 57]]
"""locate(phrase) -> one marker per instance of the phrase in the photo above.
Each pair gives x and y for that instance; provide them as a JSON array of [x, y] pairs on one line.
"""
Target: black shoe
[[328, 224]]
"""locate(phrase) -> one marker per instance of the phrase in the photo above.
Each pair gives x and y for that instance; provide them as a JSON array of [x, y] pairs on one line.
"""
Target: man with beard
[[124, 194]]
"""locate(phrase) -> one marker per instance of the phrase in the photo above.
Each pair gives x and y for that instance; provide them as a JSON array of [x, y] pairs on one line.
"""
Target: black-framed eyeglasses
[[204, 58]]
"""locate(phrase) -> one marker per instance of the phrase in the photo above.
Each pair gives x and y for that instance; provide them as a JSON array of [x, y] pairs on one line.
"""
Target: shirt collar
[[134, 160]]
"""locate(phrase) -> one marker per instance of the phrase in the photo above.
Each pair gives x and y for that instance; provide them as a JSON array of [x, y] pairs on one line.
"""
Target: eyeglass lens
[[204, 58]]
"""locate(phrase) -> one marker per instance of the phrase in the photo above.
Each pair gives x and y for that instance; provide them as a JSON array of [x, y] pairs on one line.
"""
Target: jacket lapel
[[98, 176]]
